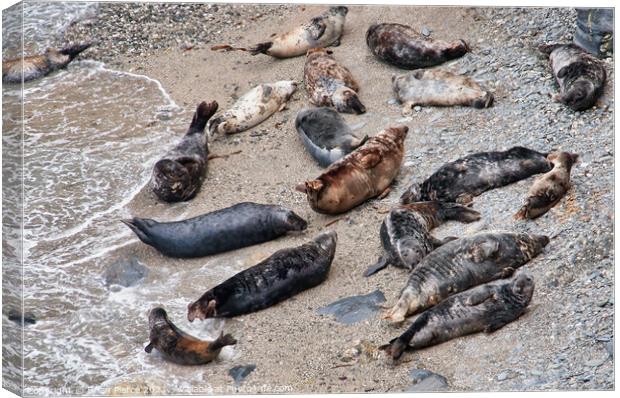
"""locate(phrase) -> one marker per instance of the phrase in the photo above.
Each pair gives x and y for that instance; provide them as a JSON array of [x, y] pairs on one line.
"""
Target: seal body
[[330, 84], [463, 179], [405, 232], [550, 188], [580, 76], [484, 308], [178, 175], [402, 46], [254, 107], [282, 275], [179, 347], [37, 66], [325, 134], [241, 225], [438, 88], [462, 264], [363, 174]]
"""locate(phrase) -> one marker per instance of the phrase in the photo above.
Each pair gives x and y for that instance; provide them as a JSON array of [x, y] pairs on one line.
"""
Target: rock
[[238, 373], [353, 309], [425, 380], [125, 272], [426, 32]]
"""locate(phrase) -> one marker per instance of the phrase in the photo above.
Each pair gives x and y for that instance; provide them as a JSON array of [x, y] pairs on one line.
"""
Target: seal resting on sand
[[365, 173], [179, 347], [322, 31], [37, 66], [284, 274], [241, 225], [330, 84], [484, 308], [550, 188], [462, 264], [402, 46]]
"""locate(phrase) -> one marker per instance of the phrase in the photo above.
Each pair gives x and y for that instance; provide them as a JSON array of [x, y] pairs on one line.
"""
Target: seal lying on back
[[405, 232], [325, 134], [550, 188], [322, 31], [37, 66], [241, 225], [438, 88], [484, 308], [401, 46], [363, 174], [283, 275], [462, 264], [581, 77], [178, 175], [330, 84], [179, 347], [460, 181], [253, 107]]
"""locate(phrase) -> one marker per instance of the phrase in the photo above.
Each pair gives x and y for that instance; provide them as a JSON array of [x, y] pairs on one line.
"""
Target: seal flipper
[[261, 48], [203, 113], [399, 345], [376, 267], [149, 347], [222, 341], [73, 50], [479, 296], [440, 242], [457, 212]]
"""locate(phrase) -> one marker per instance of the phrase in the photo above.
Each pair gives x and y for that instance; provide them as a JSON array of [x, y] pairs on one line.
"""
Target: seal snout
[[295, 222], [327, 240]]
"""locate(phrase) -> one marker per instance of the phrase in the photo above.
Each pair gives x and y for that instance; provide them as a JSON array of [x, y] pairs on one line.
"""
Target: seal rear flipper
[[440, 242], [137, 225], [376, 267], [457, 212], [149, 347], [203, 113], [227, 47], [261, 48], [222, 341]]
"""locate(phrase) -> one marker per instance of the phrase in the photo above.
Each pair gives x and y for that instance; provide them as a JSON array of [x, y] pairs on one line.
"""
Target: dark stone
[[17, 317], [353, 309], [425, 380], [238, 373], [125, 272]]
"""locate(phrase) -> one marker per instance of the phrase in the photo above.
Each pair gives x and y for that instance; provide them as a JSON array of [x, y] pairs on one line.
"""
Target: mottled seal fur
[[464, 263], [580, 76], [231, 228], [463, 179], [325, 134], [402, 46], [178, 175], [405, 232], [179, 347], [330, 84], [282, 275], [484, 308], [253, 107], [550, 188], [37, 66], [438, 88], [365, 173], [322, 31]]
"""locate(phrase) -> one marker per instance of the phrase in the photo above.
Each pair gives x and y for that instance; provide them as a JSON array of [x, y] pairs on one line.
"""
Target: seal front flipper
[[376, 267], [483, 294], [484, 251]]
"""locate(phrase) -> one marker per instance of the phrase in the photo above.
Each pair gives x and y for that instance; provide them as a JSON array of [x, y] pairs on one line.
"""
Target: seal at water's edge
[[284, 274], [436, 87], [402, 46], [322, 31], [484, 308], [179, 347], [550, 188], [580, 76], [241, 225], [405, 232], [325, 134], [463, 179], [365, 173], [253, 107], [36, 66], [330, 84], [462, 264], [178, 175]]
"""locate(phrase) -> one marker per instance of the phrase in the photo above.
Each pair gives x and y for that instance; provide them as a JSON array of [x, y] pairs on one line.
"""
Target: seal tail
[[203, 113], [137, 226], [222, 341], [457, 212], [376, 267], [227, 47], [261, 48]]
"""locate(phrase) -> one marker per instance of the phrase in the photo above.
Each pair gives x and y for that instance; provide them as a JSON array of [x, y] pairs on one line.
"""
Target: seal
[[580, 76], [462, 264], [179, 347], [253, 107], [485, 308], [178, 175], [463, 179], [365, 173], [325, 134], [37, 66], [402, 46], [231, 228], [322, 31], [550, 188], [330, 84], [438, 88], [405, 232], [284, 274]]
